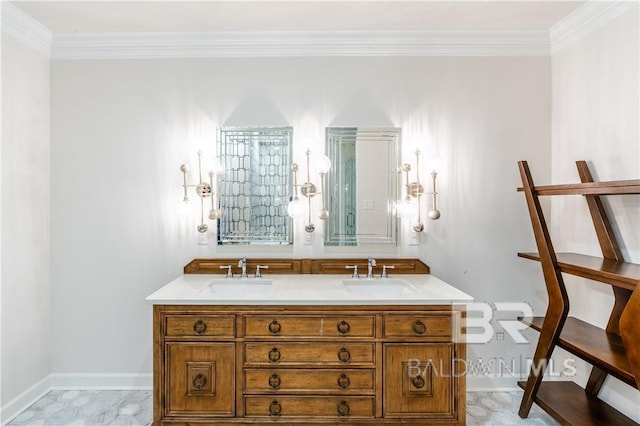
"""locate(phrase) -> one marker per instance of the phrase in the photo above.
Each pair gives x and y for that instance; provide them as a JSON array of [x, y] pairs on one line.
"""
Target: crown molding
[[586, 19], [24, 28], [299, 44]]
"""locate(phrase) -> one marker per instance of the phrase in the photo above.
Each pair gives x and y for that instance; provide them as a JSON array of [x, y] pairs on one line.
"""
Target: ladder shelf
[[612, 351]]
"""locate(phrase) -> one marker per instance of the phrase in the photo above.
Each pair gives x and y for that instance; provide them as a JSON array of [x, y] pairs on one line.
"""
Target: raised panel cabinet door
[[200, 379], [419, 380]]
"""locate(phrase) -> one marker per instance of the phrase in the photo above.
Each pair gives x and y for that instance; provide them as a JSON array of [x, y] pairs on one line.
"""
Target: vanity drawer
[[340, 407], [305, 353], [423, 326], [309, 326], [200, 325], [309, 380]]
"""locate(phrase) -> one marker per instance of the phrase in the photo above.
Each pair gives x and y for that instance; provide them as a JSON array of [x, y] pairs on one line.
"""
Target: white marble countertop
[[307, 289]]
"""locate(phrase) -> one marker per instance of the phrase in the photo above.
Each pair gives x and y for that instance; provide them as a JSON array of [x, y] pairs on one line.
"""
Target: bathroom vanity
[[308, 348]]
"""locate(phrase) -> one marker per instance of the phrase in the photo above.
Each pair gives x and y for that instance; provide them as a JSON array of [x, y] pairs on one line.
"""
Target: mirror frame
[[332, 236]]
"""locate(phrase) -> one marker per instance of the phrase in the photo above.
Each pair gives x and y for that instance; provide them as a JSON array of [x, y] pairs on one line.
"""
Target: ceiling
[[301, 15]]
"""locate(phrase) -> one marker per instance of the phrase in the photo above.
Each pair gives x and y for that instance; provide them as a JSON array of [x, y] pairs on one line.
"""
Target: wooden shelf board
[[620, 274], [569, 404], [617, 187], [594, 345]]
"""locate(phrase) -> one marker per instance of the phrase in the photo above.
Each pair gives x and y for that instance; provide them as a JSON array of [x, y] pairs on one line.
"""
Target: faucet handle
[[384, 270], [228, 268], [258, 268], [355, 270], [242, 262]]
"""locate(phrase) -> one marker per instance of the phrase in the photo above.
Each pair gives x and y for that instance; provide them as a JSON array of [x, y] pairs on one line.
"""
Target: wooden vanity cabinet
[[308, 364]]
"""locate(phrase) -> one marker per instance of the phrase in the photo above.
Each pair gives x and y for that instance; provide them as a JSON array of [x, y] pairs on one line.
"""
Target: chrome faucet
[[242, 263], [370, 264], [355, 270]]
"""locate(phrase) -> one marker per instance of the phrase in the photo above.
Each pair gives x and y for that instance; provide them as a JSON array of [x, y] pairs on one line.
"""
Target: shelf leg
[[549, 334], [630, 332], [558, 308]]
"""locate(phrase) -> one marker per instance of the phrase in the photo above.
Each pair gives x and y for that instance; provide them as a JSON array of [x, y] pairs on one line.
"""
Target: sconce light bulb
[[324, 165], [202, 228], [296, 208], [215, 214], [324, 214], [218, 169], [434, 214], [407, 208], [184, 168]]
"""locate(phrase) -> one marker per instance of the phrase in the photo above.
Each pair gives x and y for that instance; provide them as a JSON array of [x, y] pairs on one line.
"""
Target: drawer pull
[[275, 408], [344, 355], [199, 381], [343, 381], [274, 355], [419, 327], [275, 327], [418, 382], [343, 408], [199, 327], [344, 327], [274, 381]]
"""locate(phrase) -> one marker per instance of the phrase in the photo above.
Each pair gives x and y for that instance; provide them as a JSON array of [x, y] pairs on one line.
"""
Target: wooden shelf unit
[[612, 351]]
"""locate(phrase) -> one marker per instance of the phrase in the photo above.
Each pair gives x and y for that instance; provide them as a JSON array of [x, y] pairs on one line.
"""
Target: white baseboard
[[80, 381], [492, 384], [23, 401], [17, 405]]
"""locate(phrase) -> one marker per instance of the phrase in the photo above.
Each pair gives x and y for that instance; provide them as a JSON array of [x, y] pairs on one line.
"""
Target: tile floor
[[135, 408]]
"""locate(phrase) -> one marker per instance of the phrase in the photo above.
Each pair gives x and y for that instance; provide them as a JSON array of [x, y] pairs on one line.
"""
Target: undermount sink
[[378, 286], [239, 285]]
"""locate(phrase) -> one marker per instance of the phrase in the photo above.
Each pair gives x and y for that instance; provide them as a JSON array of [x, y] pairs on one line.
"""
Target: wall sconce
[[204, 190], [416, 190], [295, 209]]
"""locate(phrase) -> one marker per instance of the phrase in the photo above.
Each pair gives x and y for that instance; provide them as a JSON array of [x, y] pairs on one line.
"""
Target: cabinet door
[[418, 380], [200, 379]]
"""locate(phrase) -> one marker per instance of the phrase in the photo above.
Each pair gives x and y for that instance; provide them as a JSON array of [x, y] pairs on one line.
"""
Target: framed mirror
[[256, 185], [362, 186]]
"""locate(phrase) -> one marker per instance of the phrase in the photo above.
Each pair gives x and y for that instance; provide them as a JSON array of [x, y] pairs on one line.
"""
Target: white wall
[[26, 313], [596, 105], [121, 128]]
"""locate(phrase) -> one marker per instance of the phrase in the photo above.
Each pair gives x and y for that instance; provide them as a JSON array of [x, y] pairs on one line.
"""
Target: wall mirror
[[362, 186], [256, 184]]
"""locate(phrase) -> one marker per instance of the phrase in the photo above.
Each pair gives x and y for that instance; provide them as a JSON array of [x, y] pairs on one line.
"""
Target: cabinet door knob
[[275, 327], [343, 408], [199, 381], [199, 327], [419, 327], [274, 355], [343, 381], [344, 327], [275, 408], [344, 355], [274, 381], [418, 382]]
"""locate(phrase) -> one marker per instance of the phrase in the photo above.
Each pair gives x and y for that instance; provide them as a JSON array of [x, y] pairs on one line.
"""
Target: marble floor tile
[[129, 408]]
